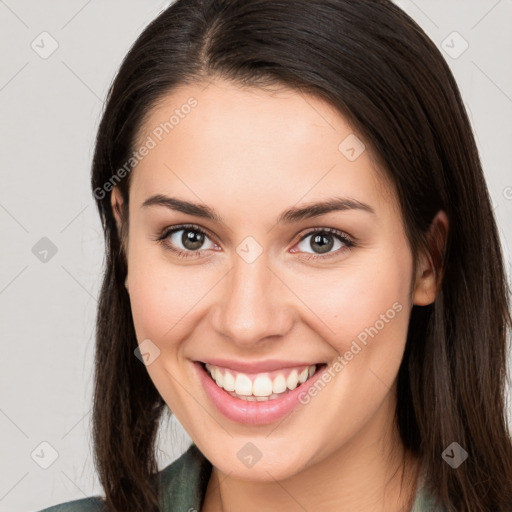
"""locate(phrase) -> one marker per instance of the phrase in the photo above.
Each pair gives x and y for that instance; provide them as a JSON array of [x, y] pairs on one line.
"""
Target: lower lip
[[253, 413]]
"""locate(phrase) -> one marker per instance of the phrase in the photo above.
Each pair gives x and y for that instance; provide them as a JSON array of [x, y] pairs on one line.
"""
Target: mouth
[[263, 386], [252, 399]]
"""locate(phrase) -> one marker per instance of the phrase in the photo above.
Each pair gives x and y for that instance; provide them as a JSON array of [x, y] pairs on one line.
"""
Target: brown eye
[[192, 240], [323, 241], [185, 241]]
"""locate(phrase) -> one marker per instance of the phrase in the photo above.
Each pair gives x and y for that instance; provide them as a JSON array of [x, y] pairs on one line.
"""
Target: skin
[[250, 154]]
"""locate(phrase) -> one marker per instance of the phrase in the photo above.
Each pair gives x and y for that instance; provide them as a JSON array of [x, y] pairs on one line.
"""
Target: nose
[[253, 305]]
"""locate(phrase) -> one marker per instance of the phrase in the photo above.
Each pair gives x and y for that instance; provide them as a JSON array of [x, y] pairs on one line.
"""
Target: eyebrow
[[289, 216]]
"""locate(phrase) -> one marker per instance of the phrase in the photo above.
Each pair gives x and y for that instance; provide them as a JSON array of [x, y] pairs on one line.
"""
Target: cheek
[[368, 287], [159, 291], [370, 323], [162, 299], [366, 311], [362, 312]]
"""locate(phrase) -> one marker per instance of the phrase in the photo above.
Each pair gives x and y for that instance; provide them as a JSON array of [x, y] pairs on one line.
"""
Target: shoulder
[[93, 504]]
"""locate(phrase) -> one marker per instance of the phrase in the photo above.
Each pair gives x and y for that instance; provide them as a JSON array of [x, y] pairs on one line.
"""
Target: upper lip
[[257, 366]]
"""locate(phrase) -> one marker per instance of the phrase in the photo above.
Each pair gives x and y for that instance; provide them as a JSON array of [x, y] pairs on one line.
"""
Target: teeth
[[229, 382], [279, 384], [243, 385], [292, 380], [217, 375], [251, 398], [262, 388], [303, 375]]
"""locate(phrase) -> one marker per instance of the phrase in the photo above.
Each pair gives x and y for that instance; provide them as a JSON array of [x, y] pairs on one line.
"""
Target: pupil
[[325, 243], [192, 240]]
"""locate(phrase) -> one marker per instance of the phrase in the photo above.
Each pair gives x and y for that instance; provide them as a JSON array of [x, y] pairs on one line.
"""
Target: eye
[[186, 240], [322, 241]]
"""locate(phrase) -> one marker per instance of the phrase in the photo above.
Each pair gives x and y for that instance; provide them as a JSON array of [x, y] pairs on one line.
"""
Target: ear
[[430, 272], [116, 202]]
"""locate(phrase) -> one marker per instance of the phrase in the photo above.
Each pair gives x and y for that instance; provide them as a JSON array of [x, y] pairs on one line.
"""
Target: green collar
[[183, 483]]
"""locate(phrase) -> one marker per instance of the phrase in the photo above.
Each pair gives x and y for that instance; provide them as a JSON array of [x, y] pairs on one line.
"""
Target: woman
[[302, 265]]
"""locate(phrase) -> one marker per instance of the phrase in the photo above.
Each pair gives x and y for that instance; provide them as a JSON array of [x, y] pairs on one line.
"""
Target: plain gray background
[[50, 109]]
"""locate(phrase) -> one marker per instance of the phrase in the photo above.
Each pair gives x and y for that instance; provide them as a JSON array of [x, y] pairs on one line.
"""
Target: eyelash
[[342, 237]]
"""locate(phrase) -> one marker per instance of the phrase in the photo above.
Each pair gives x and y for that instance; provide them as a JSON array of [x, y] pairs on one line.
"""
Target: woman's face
[[261, 286]]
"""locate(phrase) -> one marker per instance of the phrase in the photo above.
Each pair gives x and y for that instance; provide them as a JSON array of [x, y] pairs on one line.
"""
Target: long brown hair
[[379, 69]]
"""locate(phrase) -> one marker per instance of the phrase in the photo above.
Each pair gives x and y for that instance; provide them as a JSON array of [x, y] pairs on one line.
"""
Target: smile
[[256, 398], [260, 386]]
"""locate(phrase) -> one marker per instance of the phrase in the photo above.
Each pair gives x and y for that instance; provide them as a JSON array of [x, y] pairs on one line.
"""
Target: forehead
[[223, 141]]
